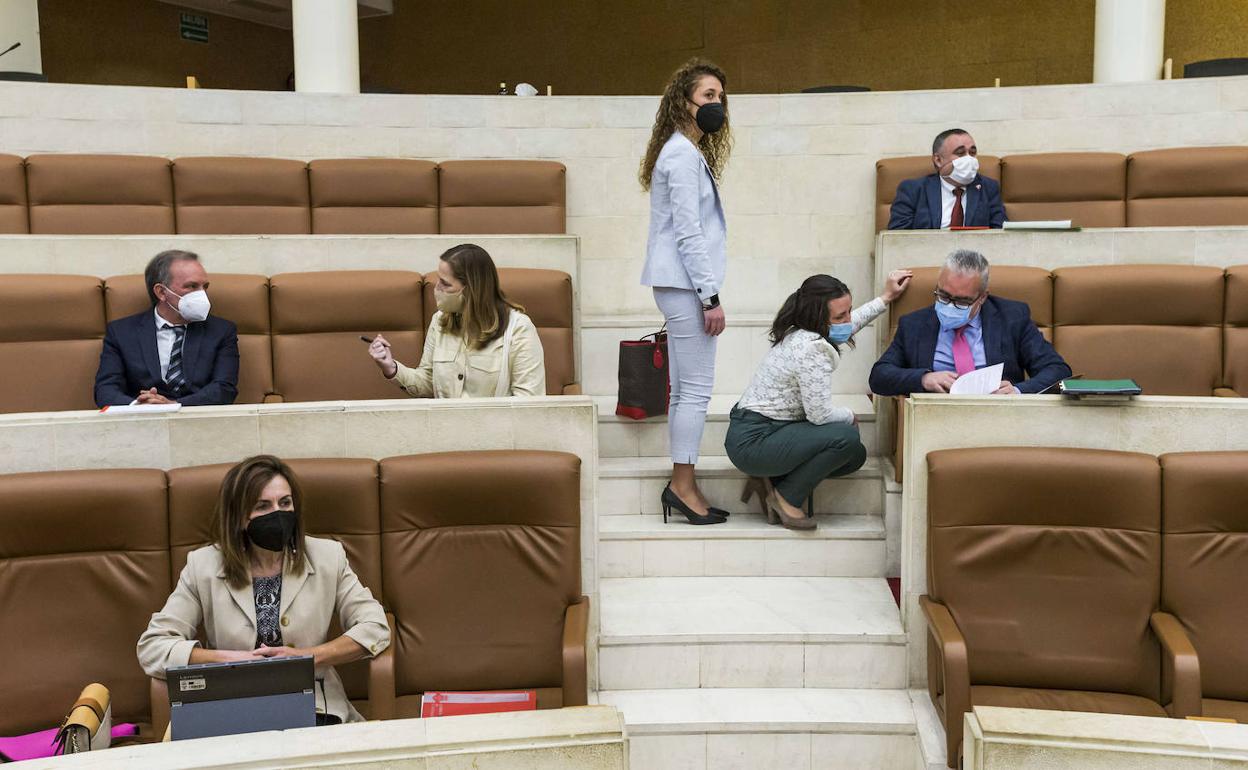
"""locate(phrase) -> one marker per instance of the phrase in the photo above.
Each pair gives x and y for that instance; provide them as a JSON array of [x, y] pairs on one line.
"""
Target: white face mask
[[193, 306], [964, 170]]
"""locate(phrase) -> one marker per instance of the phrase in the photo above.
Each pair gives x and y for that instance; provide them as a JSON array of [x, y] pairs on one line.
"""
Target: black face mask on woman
[[711, 117], [272, 531]]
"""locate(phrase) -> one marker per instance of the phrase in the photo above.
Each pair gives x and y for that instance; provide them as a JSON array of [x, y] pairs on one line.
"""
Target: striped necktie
[[174, 378]]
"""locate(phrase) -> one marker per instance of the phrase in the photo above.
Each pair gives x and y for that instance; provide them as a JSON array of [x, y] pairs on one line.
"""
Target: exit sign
[[193, 28]]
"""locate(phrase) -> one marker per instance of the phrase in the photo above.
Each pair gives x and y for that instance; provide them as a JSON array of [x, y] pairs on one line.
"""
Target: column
[[327, 46], [1130, 35]]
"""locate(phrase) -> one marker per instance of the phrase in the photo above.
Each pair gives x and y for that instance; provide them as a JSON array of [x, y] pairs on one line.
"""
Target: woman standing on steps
[[685, 261], [785, 431]]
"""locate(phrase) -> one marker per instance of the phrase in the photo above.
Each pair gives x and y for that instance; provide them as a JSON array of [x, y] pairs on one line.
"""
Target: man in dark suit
[[955, 196], [173, 352], [966, 329]]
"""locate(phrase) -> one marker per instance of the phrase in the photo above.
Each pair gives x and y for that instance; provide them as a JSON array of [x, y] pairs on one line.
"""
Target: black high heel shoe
[[671, 500]]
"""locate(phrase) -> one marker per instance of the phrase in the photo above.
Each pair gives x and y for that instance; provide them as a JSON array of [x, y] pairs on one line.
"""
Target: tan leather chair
[[14, 217], [1088, 188], [99, 194], [317, 321], [1044, 574], [374, 195], [1160, 325], [547, 299], [84, 562], [481, 561], [222, 196], [1203, 583], [243, 299], [1188, 186], [890, 172], [51, 331], [1235, 334], [502, 196]]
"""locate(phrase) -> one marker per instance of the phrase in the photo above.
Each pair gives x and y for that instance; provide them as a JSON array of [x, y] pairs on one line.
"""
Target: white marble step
[[765, 729], [632, 485], [622, 437], [644, 546], [660, 633]]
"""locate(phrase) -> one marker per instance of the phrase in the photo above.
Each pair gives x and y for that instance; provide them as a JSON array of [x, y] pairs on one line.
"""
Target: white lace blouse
[[794, 382]]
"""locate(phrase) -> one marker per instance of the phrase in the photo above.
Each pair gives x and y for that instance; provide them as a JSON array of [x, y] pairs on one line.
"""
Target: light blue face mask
[[839, 333], [951, 317]]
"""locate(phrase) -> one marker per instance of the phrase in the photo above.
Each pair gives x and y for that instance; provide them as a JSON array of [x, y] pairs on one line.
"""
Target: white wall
[[19, 22]]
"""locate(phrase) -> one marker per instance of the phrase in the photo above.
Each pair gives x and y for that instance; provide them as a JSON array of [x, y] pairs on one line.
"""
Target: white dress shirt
[[164, 342], [947, 200]]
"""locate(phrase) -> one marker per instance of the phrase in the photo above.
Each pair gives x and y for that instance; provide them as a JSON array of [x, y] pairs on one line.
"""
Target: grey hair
[[939, 142], [965, 262], [158, 270]]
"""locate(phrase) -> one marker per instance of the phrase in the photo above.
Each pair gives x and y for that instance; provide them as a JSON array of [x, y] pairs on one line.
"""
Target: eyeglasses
[[960, 303]]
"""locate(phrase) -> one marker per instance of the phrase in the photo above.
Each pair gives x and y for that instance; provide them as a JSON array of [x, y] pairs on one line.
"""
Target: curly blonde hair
[[673, 115]]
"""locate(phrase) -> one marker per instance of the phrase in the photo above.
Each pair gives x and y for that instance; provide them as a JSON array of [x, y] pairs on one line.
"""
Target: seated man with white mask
[[174, 352], [955, 196]]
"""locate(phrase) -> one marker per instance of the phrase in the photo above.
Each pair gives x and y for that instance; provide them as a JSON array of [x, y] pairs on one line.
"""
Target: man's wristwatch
[[712, 303]]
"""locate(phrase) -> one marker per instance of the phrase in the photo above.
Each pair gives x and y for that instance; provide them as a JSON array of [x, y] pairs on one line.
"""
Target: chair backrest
[[1160, 325], [1050, 562], [502, 196], [14, 217], [546, 296], [1235, 330], [1204, 550], [100, 195], [1190, 186], [51, 332], [1088, 188], [480, 560], [891, 172], [84, 562], [243, 299], [374, 195], [1032, 285], [317, 321], [223, 196]]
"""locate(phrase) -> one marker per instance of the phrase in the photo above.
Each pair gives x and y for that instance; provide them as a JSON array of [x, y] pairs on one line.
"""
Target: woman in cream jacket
[[479, 344], [263, 589]]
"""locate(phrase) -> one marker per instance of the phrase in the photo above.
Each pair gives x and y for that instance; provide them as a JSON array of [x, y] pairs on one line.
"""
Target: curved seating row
[[298, 333], [475, 556], [134, 194], [1086, 580], [1184, 186]]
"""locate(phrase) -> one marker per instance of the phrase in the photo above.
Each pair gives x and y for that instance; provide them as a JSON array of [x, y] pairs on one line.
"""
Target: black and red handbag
[[644, 387]]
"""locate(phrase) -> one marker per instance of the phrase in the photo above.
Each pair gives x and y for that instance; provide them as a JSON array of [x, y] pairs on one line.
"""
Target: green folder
[[1080, 387]]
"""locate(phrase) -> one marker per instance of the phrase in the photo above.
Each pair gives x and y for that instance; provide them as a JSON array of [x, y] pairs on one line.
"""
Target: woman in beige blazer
[[480, 344], [263, 589]]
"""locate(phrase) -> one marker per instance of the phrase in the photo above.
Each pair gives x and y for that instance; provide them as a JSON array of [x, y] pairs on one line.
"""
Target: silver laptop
[[208, 699]]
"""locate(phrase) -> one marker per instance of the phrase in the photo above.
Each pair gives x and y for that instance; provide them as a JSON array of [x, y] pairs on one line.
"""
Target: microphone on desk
[[10, 48]]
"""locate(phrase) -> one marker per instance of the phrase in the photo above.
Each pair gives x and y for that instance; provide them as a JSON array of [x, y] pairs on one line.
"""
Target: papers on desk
[[980, 382], [141, 409], [1040, 224]]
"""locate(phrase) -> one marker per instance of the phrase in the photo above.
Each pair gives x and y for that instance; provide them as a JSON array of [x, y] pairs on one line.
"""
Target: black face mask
[[272, 531], [711, 117]]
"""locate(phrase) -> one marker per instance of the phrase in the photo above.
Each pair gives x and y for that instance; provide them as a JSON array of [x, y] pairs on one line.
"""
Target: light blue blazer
[[687, 248]]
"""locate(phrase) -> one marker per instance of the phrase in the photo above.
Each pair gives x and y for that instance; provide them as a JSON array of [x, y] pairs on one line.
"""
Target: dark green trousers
[[796, 455]]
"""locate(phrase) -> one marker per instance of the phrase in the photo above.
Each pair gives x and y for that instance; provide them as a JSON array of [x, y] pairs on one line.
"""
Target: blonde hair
[[486, 309], [673, 115]]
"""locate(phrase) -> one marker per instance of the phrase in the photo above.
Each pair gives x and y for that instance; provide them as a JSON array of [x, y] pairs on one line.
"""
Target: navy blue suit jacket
[[1010, 338], [916, 206], [130, 362]]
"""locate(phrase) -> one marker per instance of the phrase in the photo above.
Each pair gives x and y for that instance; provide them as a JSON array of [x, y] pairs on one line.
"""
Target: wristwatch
[[711, 303]]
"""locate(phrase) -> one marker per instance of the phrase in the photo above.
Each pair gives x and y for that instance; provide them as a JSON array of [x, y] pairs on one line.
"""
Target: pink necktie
[[963, 361]]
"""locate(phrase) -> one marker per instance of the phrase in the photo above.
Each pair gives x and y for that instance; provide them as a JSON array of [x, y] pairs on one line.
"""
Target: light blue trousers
[[691, 370]]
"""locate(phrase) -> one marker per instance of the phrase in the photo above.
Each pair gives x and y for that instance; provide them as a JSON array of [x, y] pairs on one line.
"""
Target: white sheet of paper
[[980, 382], [141, 409]]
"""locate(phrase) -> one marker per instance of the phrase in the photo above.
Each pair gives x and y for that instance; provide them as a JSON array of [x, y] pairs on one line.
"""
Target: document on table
[[980, 382], [141, 409]]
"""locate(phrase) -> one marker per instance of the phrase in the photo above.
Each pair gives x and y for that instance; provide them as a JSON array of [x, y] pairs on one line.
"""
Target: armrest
[[381, 679], [1226, 393], [572, 390], [274, 398], [1180, 667], [160, 707], [947, 669], [575, 674]]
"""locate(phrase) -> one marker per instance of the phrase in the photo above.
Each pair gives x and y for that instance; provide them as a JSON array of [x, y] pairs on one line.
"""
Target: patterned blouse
[[268, 593], [794, 382]]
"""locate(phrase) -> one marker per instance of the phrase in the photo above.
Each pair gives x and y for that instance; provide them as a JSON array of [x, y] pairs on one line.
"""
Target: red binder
[[451, 704]]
